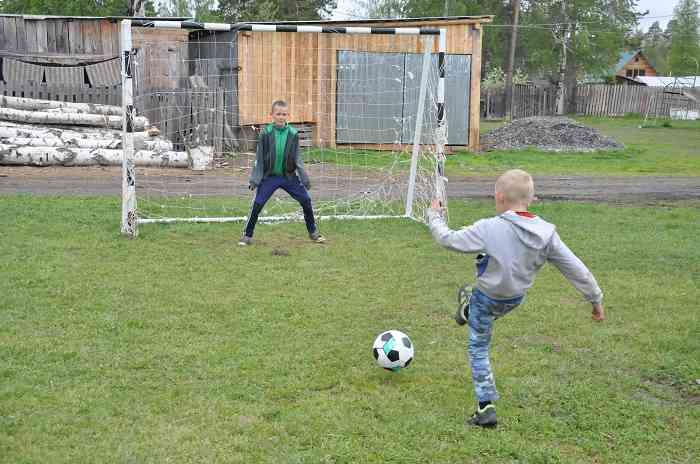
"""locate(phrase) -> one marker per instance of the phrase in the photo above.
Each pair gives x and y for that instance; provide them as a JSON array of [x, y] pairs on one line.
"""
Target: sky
[[659, 10], [656, 8]]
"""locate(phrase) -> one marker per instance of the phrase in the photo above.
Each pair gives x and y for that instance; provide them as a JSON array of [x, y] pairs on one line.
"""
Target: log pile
[[44, 133]]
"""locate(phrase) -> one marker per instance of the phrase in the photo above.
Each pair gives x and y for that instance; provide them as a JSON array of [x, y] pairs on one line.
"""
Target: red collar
[[526, 214]]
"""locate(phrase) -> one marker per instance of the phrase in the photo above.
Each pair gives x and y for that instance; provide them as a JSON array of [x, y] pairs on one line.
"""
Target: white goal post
[[355, 181]]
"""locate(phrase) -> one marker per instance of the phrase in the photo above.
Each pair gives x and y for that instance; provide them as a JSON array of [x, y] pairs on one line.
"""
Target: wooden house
[[77, 58], [633, 64]]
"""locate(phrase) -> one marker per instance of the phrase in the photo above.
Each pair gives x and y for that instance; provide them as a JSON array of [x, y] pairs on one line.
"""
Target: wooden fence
[[188, 117], [619, 100], [528, 100], [591, 100], [111, 95]]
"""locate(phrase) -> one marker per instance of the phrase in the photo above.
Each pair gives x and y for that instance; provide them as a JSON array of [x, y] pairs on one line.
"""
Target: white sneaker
[[317, 237]]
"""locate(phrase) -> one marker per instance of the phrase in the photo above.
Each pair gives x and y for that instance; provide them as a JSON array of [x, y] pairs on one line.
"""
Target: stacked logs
[[44, 133]]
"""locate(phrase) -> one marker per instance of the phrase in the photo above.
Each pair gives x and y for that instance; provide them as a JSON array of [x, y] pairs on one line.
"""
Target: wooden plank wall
[[301, 68], [58, 39], [276, 66], [163, 58]]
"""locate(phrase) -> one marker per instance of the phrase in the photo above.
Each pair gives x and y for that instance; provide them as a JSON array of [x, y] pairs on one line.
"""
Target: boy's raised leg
[[480, 329]]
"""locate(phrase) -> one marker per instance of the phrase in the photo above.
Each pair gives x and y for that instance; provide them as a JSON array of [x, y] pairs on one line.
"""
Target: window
[[629, 73], [642, 72]]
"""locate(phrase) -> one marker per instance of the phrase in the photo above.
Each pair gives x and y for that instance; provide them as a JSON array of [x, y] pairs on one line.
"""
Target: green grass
[[180, 346], [657, 151], [650, 151], [359, 158]]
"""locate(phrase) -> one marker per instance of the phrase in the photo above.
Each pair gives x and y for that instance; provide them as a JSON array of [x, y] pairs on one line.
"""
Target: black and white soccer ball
[[393, 350]]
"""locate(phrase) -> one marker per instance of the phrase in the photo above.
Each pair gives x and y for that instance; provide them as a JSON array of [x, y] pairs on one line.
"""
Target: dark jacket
[[265, 157]]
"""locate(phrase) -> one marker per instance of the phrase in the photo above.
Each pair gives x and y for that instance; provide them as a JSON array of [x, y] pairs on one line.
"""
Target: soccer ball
[[393, 350]]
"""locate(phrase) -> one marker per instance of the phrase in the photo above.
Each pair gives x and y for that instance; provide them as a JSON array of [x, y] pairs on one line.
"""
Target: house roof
[[624, 59]]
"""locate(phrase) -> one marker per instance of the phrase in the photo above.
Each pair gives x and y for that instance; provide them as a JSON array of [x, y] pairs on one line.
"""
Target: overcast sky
[[656, 8], [662, 8]]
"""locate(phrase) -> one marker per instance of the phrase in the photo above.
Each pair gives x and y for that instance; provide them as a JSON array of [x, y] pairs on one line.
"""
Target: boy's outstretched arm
[[301, 171], [467, 240], [578, 274], [258, 170]]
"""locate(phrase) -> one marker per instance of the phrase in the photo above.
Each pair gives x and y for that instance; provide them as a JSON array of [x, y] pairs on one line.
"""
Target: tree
[[275, 10], [495, 39], [200, 10], [655, 46], [597, 30], [684, 57], [77, 7], [379, 9], [511, 59]]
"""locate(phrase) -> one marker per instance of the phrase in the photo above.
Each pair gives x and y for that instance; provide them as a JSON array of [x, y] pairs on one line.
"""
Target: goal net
[[367, 104]]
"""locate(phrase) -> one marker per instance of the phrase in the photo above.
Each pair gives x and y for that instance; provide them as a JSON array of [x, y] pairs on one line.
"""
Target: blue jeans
[[291, 185], [483, 310]]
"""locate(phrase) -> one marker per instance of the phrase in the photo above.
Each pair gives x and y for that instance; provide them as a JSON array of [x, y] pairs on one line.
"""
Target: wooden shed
[[219, 80], [77, 58], [305, 69]]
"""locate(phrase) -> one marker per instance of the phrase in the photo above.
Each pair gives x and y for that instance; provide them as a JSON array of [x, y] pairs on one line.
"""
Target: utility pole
[[562, 60], [511, 59]]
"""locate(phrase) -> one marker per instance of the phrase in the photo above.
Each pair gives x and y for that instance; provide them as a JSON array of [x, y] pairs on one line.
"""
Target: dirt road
[[107, 181]]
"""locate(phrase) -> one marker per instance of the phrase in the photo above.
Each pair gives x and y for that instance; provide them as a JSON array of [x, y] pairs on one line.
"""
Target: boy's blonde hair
[[280, 104], [516, 186]]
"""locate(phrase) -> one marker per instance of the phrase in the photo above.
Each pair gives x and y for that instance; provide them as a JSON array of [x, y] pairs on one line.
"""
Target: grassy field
[[661, 151], [182, 347]]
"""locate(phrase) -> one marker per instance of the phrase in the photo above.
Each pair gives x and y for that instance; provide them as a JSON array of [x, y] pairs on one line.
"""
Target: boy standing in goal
[[513, 246], [278, 164]]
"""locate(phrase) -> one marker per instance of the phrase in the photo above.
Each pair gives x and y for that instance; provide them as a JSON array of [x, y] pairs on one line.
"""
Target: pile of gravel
[[549, 134]]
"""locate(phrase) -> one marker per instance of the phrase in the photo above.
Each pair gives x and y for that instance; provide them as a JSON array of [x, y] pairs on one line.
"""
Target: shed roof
[[431, 19]]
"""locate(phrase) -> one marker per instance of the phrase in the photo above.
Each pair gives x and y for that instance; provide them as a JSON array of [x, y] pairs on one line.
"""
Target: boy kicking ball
[[513, 246], [278, 164]]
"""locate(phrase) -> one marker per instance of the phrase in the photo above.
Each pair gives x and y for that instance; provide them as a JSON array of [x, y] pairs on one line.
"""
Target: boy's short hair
[[516, 186], [279, 103]]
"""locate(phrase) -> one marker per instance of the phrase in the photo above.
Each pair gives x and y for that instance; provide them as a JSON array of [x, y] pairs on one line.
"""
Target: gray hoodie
[[516, 247]]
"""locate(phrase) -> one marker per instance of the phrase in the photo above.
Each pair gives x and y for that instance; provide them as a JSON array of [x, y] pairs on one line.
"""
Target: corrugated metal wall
[[370, 92], [377, 98]]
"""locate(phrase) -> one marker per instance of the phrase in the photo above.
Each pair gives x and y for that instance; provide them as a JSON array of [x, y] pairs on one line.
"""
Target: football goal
[[367, 103]]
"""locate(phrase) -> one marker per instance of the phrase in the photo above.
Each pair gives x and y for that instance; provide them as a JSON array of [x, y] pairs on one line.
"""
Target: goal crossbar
[[130, 219]]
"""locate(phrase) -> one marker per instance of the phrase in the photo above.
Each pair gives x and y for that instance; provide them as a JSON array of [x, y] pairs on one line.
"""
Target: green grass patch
[[180, 346], [659, 151], [359, 159], [653, 151]]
